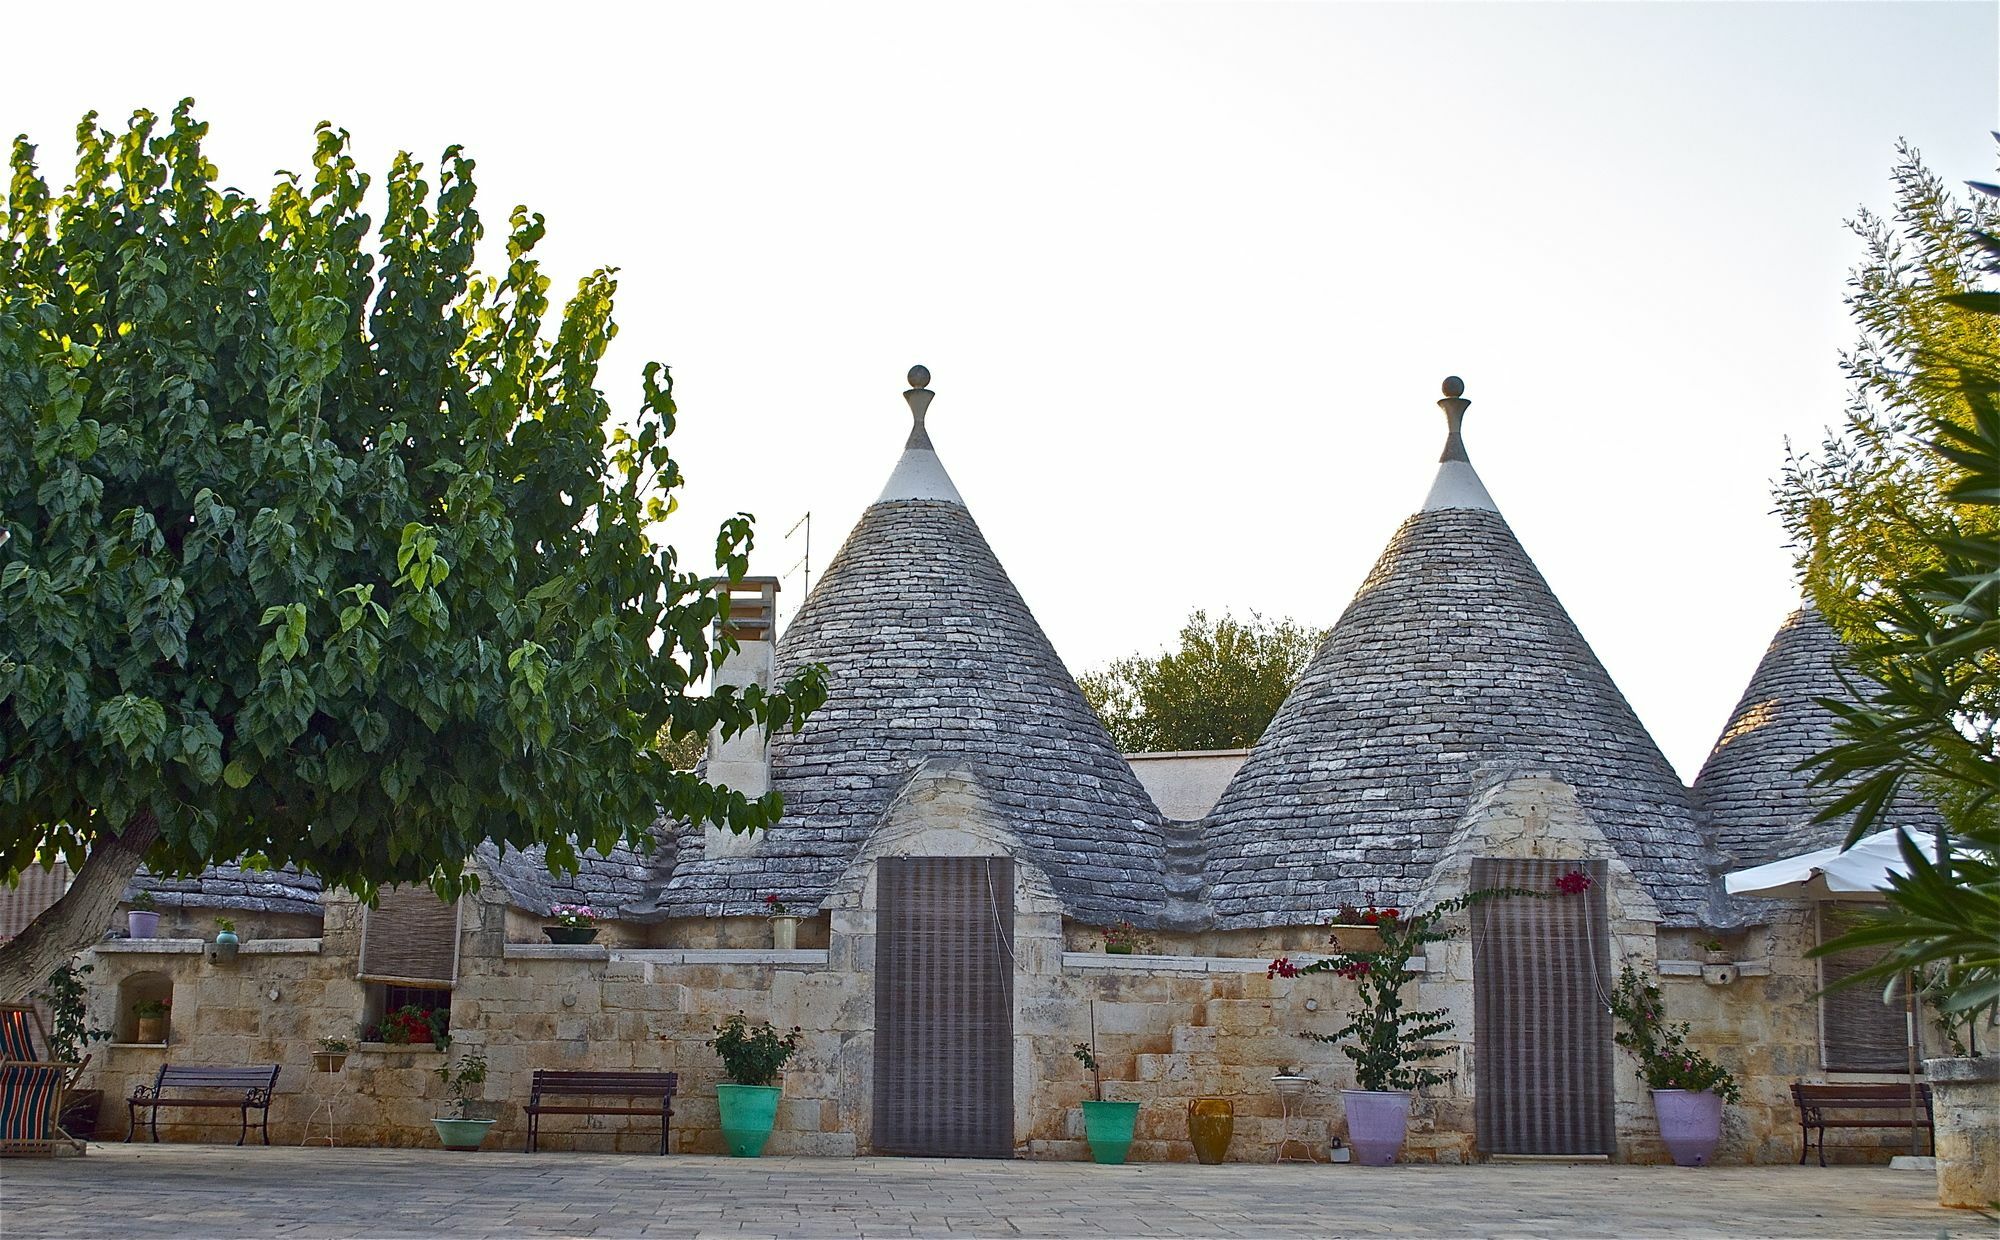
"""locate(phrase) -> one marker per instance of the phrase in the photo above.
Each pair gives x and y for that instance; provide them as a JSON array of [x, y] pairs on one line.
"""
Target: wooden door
[[944, 1006], [1541, 969]]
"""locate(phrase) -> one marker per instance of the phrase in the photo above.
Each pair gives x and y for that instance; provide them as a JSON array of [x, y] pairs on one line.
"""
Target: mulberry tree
[[321, 546]]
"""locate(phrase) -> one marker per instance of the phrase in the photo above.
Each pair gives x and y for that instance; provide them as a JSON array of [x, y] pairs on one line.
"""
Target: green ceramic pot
[[1108, 1125], [462, 1134], [748, 1112]]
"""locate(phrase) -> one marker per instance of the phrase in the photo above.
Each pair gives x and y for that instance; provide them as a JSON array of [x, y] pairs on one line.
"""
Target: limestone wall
[[1198, 1016]]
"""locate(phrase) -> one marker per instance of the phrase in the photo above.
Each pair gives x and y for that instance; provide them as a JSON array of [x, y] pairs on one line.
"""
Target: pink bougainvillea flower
[[1282, 967]]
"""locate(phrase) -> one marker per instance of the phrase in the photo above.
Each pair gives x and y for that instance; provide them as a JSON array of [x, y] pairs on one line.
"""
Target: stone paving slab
[[190, 1191]]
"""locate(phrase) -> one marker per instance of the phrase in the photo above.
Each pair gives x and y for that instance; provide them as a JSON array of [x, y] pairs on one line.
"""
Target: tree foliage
[[322, 545], [1217, 690], [1899, 521]]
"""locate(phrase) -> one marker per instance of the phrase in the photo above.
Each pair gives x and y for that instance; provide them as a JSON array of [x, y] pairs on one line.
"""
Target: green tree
[[1899, 522], [322, 545], [1218, 690]]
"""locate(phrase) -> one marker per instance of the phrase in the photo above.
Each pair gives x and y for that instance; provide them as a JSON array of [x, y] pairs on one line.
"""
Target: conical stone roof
[[1453, 666], [931, 653], [1759, 806]]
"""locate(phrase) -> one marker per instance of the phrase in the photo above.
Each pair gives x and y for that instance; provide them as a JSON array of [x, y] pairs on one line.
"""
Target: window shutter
[[411, 937], [38, 888], [1858, 1032]]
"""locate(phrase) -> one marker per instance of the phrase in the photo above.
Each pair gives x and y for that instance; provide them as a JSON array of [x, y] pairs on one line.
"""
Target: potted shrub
[[150, 1016], [784, 925], [1389, 1043], [752, 1056], [1714, 951], [143, 920], [575, 924], [1106, 1125], [331, 1055], [1125, 938], [1688, 1087], [456, 1131], [70, 1036]]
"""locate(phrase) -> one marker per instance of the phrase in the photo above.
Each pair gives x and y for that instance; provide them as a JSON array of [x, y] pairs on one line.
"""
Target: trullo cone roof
[[1454, 665], [1758, 804], [932, 654]]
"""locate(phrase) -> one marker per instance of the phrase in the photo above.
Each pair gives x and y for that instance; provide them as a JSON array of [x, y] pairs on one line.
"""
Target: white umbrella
[[1831, 873], [1860, 872]]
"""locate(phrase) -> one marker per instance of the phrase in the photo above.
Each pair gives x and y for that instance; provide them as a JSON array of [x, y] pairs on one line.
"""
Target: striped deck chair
[[31, 1088]]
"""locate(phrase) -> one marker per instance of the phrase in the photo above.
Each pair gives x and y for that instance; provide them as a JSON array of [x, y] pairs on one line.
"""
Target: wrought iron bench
[[251, 1089], [595, 1086], [1888, 1106]]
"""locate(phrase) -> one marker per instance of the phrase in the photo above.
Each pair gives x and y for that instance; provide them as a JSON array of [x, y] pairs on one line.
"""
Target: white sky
[[1186, 276]]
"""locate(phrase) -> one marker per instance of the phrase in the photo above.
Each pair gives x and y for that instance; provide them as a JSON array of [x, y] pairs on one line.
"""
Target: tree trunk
[[81, 916]]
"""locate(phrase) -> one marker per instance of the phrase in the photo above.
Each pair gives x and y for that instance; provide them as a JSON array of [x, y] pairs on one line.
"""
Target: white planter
[[785, 933]]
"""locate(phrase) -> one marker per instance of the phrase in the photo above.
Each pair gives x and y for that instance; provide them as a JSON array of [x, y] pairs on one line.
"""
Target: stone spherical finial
[[1454, 387], [919, 377]]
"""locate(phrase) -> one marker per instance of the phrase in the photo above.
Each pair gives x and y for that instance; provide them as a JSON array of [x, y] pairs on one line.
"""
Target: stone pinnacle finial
[[1454, 405], [919, 399]]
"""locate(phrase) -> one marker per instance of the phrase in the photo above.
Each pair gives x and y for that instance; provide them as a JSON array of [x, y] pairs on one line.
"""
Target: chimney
[[743, 762]]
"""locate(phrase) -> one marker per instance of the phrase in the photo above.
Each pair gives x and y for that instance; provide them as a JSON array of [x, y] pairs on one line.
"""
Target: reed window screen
[[1857, 1031], [410, 937]]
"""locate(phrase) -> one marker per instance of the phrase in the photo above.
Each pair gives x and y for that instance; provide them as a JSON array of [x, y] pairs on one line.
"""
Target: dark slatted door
[[944, 1006], [1541, 971]]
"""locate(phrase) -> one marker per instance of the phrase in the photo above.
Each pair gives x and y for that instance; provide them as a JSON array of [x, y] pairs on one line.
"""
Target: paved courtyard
[[203, 1191]]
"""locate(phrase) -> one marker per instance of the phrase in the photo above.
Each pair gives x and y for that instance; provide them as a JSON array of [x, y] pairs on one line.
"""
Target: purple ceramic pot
[[142, 925], [1690, 1124], [1376, 1124]]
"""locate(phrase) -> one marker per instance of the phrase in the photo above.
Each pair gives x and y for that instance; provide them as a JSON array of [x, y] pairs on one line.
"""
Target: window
[[1858, 1032], [409, 962], [414, 1014]]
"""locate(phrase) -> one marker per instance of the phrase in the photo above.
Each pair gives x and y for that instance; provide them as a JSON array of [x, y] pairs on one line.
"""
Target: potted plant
[[142, 921], [1714, 951], [411, 1025], [455, 1131], [331, 1055], [70, 1037], [752, 1056], [1389, 1043], [1688, 1087], [1106, 1125], [1125, 938], [226, 943], [150, 1016], [784, 925], [575, 924]]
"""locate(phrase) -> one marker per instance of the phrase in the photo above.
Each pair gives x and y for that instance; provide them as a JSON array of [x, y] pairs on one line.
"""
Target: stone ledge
[[280, 947], [151, 947], [193, 947], [397, 1048], [554, 951], [798, 959], [1082, 961], [1692, 968]]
